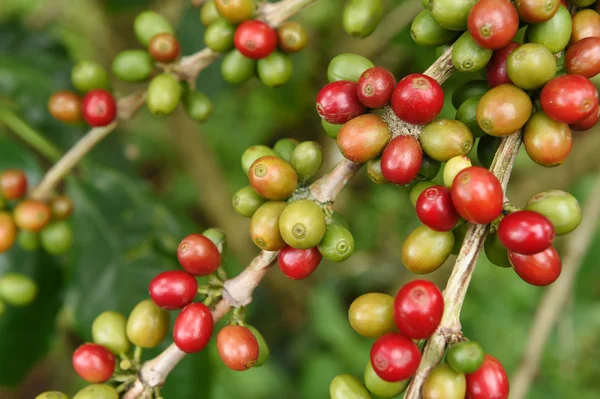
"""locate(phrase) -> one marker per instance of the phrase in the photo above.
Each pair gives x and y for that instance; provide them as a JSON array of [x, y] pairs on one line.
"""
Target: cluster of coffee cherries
[[398, 326], [361, 17], [32, 223], [284, 218], [252, 46]]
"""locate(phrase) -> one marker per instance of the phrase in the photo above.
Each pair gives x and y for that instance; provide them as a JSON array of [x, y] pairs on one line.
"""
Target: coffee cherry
[[173, 289], [493, 23], [273, 178], [347, 66], [417, 99], [374, 171], [375, 87], [554, 33], [583, 57], [346, 386], [253, 153], [193, 328], [97, 391], [338, 102], [530, 66], [503, 110], [307, 159], [381, 388], [302, 224], [337, 244], [94, 363], [13, 184], [246, 201], [467, 114], [540, 269], [444, 139], [164, 94], [560, 207], [62, 207], [147, 324], [477, 195], [132, 65], [219, 35], [236, 68], [235, 11], [164, 47], [486, 150], [218, 237], [569, 98], [57, 237], [536, 11], [275, 70], [198, 255], [401, 160], [331, 129], [292, 36], [148, 24], [264, 226], [255, 39], [363, 138], [263, 348], [89, 75], [467, 90], [586, 23], [28, 240], [209, 13], [17, 289], [284, 148], [238, 348], [435, 209], [465, 357], [298, 264], [361, 17], [417, 255], [418, 309], [489, 381], [429, 169], [451, 14], [548, 143], [468, 56], [495, 70], [65, 106], [109, 329], [444, 382], [372, 315], [495, 251], [395, 357], [417, 189], [425, 31], [99, 108], [453, 167], [31, 215], [197, 105], [52, 395]]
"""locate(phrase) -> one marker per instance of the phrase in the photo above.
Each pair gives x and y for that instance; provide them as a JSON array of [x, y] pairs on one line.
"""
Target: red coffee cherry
[[489, 381], [569, 98], [477, 195], [435, 209], [99, 108], [198, 255], [539, 269], [94, 363], [495, 70], [298, 264], [401, 160], [173, 289], [395, 357], [237, 347], [418, 309], [375, 87], [193, 328], [13, 184], [493, 23], [417, 99], [255, 39], [338, 102], [32, 215], [526, 232], [583, 57], [587, 123]]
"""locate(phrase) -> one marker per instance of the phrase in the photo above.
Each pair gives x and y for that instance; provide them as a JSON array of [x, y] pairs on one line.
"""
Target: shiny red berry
[[495, 70], [539, 269], [569, 98], [401, 160], [255, 39], [238, 347], [418, 309], [99, 108], [436, 210], [94, 363], [375, 87], [173, 289], [477, 195], [395, 357], [193, 328], [417, 99], [493, 23], [489, 381], [13, 184], [526, 232], [298, 264], [338, 102], [198, 255]]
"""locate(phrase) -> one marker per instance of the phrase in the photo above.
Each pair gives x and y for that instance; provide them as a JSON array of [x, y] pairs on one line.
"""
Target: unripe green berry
[[209, 13], [219, 35], [57, 237], [97, 391], [148, 24], [345, 386], [417, 189], [361, 17], [284, 148], [29, 240], [453, 167], [164, 94], [52, 395], [89, 75], [380, 387], [347, 66], [465, 357], [218, 237], [307, 159], [337, 244], [374, 171], [109, 329], [253, 153], [246, 201], [275, 70], [133, 65], [236, 68], [197, 105], [496, 252], [147, 324], [331, 129], [17, 289], [429, 168], [560, 207], [263, 348], [302, 224]]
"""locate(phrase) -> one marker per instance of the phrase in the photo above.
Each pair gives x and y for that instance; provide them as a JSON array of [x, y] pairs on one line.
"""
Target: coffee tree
[[151, 295]]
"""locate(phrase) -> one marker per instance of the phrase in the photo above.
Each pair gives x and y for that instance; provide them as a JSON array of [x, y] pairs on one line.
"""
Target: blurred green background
[[159, 178]]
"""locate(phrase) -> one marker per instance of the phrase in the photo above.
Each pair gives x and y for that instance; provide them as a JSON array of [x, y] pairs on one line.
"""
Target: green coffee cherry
[[467, 114], [52, 395], [486, 150], [133, 65], [209, 13], [554, 33], [561, 208], [374, 171], [149, 24], [444, 382], [453, 167], [284, 148], [253, 153], [198, 106], [336, 218], [219, 35], [446, 138], [347, 66], [496, 252], [418, 189], [451, 14], [467, 90], [17, 289], [89, 75], [29, 240], [345, 386], [337, 244], [361, 17], [109, 330], [57, 237], [218, 237], [307, 159], [425, 3], [417, 255], [429, 168], [380, 387], [530, 66], [425, 31], [468, 56], [164, 94], [465, 357], [97, 391], [331, 129], [147, 324], [263, 348], [236, 68], [302, 224], [246, 201], [275, 70]]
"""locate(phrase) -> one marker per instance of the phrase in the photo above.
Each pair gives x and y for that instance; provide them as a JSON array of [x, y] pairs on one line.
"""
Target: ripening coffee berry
[[417, 189], [418, 309], [338, 102], [109, 329], [99, 108], [374, 171], [32, 215], [444, 139], [395, 357], [235, 11], [417, 99], [198, 255], [238, 347], [375, 87], [401, 160], [372, 315], [444, 382], [148, 24], [477, 195], [535, 11], [273, 178], [264, 226], [164, 47], [583, 57], [193, 328], [530, 66], [255, 39], [173, 289], [435, 209], [13, 184], [8, 231], [363, 138], [489, 381], [292, 36], [493, 23], [503, 110], [338, 243], [246, 201], [587, 123], [540, 269], [453, 167], [495, 70], [302, 224], [417, 255], [525, 232], [65, 106], [94, 363], [147, 324], [586, 23], [560, 207], [465, 357], [62, 207], [298, 264], [547, 142], [569, 98]]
